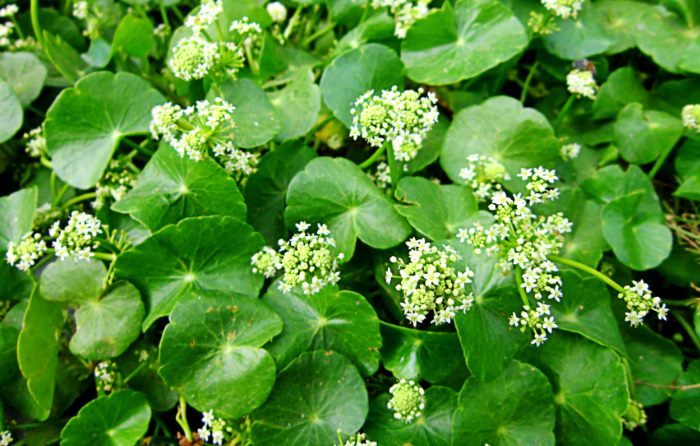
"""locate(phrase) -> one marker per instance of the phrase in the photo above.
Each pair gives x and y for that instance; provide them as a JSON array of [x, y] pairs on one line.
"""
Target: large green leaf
[[590, 389], [211, 352], [16, 215], [619, 19], [525, 139], [622, 87], [119, 419], [37, 350], [172, 187], [73, 280], [579, 38], [202, 253], [685, 404], [317, 396], [432, 428], [266, 190], [86, 122], [453, 44], [332, 319], [643, 135], [336, 192], [25, 74], [11, 114], [370, 67], [297, 105], [106, 327], [436, 211], [515, 409]]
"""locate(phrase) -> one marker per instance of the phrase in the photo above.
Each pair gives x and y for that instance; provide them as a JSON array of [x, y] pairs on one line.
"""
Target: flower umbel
[[639, 302], [570, 151], [240, 164], [582, 83], [107, 377], [405, 12], [77, 238], [565, 9], [430, 283], [36, 142], [400, 118], [214, 428], [691, 117], [277, 11], [538, 320], [24, 254], [483, 175], [407, 400], [359, 439], [115, 182], [6, 438], [307, 260], [206, 15]]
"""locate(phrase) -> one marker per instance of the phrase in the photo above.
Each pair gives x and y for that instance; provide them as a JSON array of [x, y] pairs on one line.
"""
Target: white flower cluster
[[306, 259], [194, 130], [107, 377], [640, 302], [80, 9], [6, 438], [483, 175], [538, 320], [359, 439], [115, 183], [245, 28], [36, 142], [523, 240], [405, 12], [430, 282], [563, 8], [8, 28], [77, 238], [9, 11], [208, 12], [570, 151], [407, 400], [582, 83], [214, 428], [240, 164], [382, 177], [402, 118], [691, 117], [277, 11], [193, 57], [24, 254]]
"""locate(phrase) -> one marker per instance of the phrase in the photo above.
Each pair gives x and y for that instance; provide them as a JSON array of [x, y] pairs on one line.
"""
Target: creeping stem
[[592, 271], [519, 283]]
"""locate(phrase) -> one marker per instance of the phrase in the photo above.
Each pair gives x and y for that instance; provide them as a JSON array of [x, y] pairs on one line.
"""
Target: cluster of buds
[[538, 320], [24, 255], [214, 428], [542, 23], [400, 118], [119, 177], [634, 416], [307, 260], [581, 82], [570, 151], [107, 377], [407, 400], [77, 238], [429, 282], [405, 12], [639, 302], [565, 9], [35, 142], [483, 174], [691, 117]]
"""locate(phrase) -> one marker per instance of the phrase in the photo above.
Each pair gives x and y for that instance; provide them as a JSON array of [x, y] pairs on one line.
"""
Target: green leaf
[[106, 327], [297, 105], [514, 409], [134, 36], [689, 188], [316, 396], [336, 192], [197, 254], [431, 147], [685, 404], [86, 122], [25, 74], [37, 350], [266, 189], [418, 354], [450, 45], [72, 280], [256, 119], [642, 135], [622, 87], [436, 211], [432, 428], [8, 353], [619, 19], [11, 114], [378, 28], [687, 161], [171, 188], [119, 419], [145, 377], [502, 128], [16, 215], [578, 38], [64, 57], [591, 389], [585, 309], [347, 77], [211, 352], [332, 319]]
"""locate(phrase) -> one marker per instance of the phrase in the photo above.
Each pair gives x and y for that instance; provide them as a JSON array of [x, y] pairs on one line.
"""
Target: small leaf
[[24, 73], [134, 36], [297, 105], [622, 87], [72, 280], [11, 113], [211, 352]]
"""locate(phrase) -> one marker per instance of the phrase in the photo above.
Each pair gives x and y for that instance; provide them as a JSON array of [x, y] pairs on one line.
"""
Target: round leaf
[[211, 351], [297, 104], [622, 87], [203, 253], [318, 395], [134, 36], [86, 122], [25, 74], [579, 38], [11, 114], [119, 419], [642, 135], [73, 280], [16, 215], [450, 45]]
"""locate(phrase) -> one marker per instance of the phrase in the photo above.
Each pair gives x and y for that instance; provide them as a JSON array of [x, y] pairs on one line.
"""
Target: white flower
[[193, 57], [205, 16], [36, 142], [407, 400], [582, 83], [277, 11], [359, 440], [240, 164], [570, 151], [9, 11], [640, 301], [691, 117], [107, 377], [24, 254], [563, 8], [80, 9], [483, 174], [405, 12], [77, 238], [6, 438], [245, 28]]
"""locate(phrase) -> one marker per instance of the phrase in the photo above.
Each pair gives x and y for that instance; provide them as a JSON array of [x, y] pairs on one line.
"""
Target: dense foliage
[[350, 222]]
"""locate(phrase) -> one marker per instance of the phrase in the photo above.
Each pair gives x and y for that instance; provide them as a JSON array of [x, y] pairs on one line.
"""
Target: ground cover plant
[[350, 222]]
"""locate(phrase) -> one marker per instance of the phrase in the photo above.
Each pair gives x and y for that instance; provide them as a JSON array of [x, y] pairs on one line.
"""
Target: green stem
[[292, 22], [108, 256], [36, 25], [592, 271], [135, 372], [45, 162], [688, 329], [164, 14], [138, 147], [564, 110], [693, 301], [310, 134], [181, 418], [178, 13], [375, 156], [60, 194], [19, 30], [528, 80], [77, 199], [521, 290], [662, 159], [318, 34]]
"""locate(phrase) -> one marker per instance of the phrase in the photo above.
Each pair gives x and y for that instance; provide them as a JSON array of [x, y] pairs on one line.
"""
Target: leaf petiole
[[592, 271]]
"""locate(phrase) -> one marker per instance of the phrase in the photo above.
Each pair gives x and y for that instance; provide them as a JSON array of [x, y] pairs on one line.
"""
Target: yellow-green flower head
[[430, 283], [563, 8], [691, 117], [407, 400], [193, 58], [483, 174], [213, 429], [36, 142], [640, 301], [23, 255], [634, 416], [400, 118], [582, 83]]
